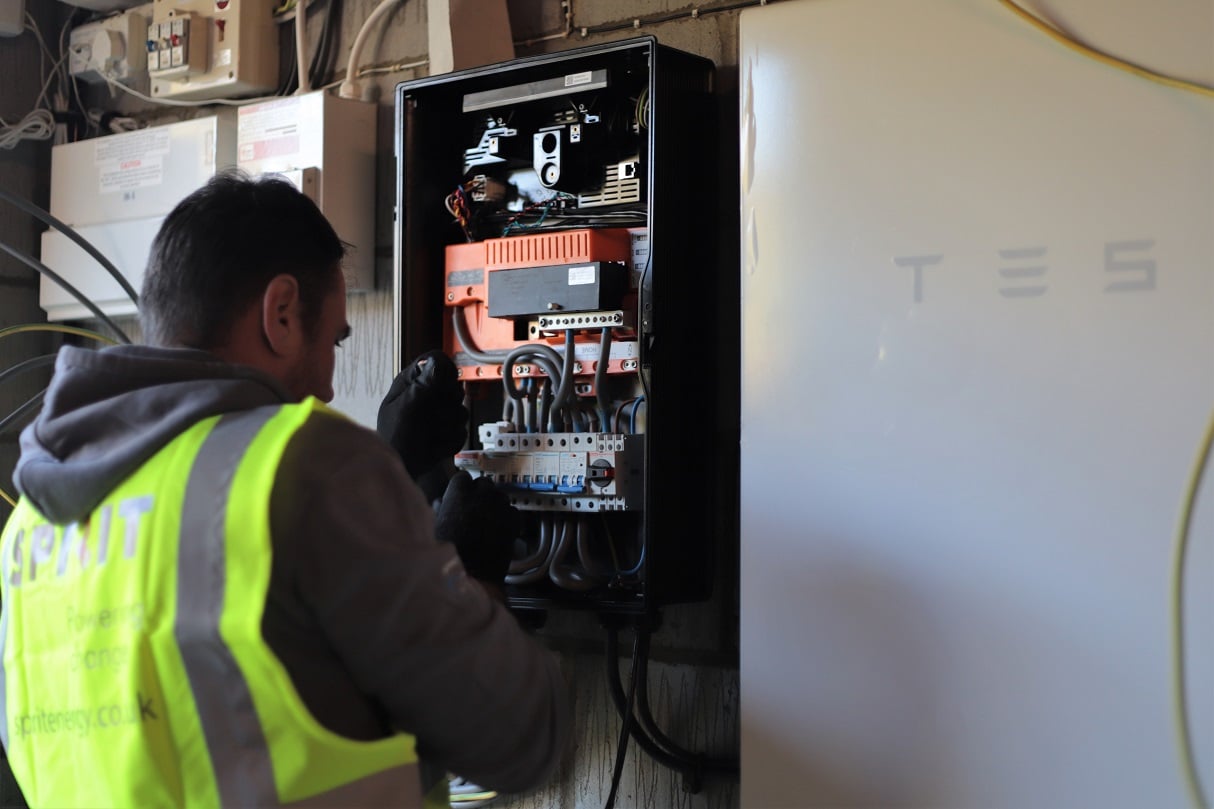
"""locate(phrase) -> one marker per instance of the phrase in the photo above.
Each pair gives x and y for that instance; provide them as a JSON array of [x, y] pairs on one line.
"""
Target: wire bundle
[[457, 205], [20, 415], [640, 725], [569, 552], [544, 206]]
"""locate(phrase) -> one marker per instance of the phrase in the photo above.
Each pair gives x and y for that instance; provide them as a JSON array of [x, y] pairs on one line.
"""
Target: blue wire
[[637, 568], [632, 418]]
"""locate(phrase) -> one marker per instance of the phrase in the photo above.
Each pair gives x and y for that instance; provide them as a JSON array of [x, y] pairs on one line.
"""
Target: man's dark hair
[[219, 249]]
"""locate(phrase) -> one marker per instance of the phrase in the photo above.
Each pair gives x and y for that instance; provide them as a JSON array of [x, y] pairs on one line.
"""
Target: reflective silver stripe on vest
[[237, 745]]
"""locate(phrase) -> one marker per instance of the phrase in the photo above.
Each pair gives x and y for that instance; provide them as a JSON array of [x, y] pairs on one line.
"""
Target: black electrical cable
[[35, 264], [545, 401], [290, 80], [533, 392], [646, 733], [321, 62], [33, 403], [626, 728], [586, 554], [565, 391], [321, 69], [600, 380], [646, 720], [616, 689], [66, 230], [28, 365]]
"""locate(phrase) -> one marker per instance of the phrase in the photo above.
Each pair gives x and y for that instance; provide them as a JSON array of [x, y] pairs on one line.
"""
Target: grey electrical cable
[[524, 355], [568, 578], [538, 572], [45, 216], [459, 323], [586, 555], [40, 361], [537, 558], [35, 264], [33, 403], [547, 359]]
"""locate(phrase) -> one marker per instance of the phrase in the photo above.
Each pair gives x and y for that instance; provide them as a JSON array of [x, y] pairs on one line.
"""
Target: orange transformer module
[[572, 285]]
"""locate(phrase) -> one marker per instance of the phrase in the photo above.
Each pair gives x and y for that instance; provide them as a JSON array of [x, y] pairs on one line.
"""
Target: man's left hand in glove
[[423, 416]]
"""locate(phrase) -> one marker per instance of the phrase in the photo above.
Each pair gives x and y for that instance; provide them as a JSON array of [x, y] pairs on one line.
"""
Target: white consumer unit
[[326, 146], [115, 191]]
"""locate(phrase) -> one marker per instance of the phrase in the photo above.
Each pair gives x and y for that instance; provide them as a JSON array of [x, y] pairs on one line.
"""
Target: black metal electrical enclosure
[[611, 149]]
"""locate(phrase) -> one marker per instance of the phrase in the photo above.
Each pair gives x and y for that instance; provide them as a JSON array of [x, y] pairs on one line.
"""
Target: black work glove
[[423, 416], [478, 519]]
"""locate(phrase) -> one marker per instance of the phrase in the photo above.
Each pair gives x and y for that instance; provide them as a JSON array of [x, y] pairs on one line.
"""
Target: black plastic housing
[[679, 342]]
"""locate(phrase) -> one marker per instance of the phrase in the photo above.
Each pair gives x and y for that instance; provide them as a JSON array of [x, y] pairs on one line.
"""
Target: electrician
[[216, 591]]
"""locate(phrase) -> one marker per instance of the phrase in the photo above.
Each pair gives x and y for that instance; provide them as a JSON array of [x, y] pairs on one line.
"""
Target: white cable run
[[350, 86], [301, 46]]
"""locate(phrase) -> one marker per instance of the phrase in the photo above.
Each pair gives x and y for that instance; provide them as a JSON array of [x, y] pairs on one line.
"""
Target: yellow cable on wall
[[1104, 58], [1184, 740], [25, 328]]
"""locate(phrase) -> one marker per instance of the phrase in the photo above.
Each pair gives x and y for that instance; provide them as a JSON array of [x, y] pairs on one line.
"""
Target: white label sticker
[[581, 275], [574, 79], [223, 58], [132, 145]]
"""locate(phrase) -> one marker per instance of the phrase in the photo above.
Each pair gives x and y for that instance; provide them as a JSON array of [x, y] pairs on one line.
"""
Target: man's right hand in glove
[[478, 519]]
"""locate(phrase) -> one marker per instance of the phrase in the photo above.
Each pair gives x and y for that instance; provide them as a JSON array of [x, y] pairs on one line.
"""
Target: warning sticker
[[269, 130], [127, 175]]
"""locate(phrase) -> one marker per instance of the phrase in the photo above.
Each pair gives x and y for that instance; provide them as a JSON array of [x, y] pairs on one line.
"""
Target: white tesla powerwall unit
[[978, 360]]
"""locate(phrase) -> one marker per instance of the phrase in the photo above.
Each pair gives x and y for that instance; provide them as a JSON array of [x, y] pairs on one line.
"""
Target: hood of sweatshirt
[[108, 411]]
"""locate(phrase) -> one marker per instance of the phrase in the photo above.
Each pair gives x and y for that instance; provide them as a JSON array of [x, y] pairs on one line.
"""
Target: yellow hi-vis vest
[[134, 670]]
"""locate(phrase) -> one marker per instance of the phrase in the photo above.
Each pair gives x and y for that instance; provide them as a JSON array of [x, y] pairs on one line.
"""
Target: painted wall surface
[[23, 171], [978, 319]]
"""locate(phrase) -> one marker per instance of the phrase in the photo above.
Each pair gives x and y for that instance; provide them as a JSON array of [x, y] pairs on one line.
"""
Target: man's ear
[[281, 321]]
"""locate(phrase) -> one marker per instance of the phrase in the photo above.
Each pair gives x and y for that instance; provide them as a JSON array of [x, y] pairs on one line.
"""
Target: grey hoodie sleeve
[[439, 658]]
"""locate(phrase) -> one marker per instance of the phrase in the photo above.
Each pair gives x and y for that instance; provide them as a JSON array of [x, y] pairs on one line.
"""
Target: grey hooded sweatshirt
[[375, 621]]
